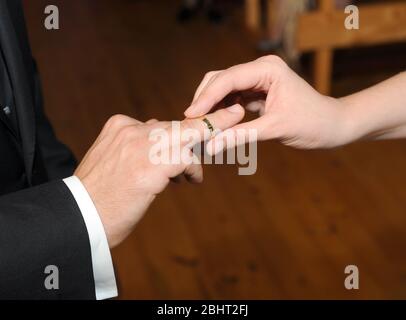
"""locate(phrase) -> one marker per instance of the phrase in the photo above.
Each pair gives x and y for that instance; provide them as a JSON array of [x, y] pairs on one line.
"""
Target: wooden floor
[[286, 232]]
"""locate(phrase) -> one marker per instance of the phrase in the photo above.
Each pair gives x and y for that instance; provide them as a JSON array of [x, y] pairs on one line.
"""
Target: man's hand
[[121, 179], [290, 109]]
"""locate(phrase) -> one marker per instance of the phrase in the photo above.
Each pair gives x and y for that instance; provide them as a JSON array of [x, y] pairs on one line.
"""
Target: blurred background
[[286, 232]]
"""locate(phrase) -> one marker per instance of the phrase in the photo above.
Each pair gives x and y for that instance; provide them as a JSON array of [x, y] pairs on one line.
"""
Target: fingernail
[[191, 111], [187, 111], [234, 109]]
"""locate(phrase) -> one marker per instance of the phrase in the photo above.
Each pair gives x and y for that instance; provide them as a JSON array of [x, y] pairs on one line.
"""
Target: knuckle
[[126, 133], [188, 124], [273, 66], [210, 74], [218, 78], [273, 60], [236, 67], [116, 121], [160, 125]]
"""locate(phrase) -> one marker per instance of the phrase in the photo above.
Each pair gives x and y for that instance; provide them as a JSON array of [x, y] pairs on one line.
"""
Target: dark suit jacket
[[40, 222]]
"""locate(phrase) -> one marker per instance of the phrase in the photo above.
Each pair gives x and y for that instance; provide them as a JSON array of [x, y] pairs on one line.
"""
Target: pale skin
[[121, 179], [291, 111]]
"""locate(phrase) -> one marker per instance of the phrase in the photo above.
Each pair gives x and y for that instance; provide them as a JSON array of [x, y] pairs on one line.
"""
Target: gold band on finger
[[209, 125]]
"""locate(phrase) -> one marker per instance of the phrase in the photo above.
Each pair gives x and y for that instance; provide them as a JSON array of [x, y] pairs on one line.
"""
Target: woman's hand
[[290, 110]]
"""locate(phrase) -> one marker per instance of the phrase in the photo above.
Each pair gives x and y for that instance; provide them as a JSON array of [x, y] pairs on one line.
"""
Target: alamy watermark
[[52, 19], [51, 281], [351, 281], [351, 22], [175, 145]]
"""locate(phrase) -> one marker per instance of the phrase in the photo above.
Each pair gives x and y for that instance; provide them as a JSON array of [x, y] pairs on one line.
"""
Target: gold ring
[[209, 125]]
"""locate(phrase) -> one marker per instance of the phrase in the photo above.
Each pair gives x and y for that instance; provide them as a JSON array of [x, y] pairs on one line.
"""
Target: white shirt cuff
[[103, 271]]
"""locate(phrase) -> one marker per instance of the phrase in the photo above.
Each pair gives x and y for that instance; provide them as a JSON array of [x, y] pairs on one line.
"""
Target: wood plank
[[379, 24], [323, 63], [323, 60], [253, 14], [326, 5], [285, 232]]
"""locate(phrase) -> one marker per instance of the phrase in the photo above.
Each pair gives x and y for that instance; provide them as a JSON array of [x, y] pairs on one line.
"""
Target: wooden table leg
[[323, 65], [323, 62], [252, 14]]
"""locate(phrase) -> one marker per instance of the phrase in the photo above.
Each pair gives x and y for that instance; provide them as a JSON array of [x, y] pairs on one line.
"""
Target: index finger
[[238, 78]]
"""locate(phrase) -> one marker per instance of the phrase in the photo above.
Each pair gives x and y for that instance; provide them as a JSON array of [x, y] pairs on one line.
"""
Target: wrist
[[100, 208], [338, 130], [359, 124], [349, 127], [118, 212]]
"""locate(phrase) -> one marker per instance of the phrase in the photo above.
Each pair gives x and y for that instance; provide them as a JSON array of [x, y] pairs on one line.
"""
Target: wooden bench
[[321, 31]]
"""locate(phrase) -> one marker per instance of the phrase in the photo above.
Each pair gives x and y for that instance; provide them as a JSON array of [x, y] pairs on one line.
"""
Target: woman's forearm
[[378, 112]]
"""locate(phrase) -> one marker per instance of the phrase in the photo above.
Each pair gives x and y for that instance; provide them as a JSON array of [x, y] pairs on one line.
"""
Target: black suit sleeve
[[58, 159], [43, 226]]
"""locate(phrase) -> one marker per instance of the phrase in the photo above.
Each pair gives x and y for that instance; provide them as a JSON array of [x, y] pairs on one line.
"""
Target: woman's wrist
[[378, 112], [350, 128], [361, 122], [344, 128]]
